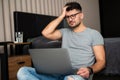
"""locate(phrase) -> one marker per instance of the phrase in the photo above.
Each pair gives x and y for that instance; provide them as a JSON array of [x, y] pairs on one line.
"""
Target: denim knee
[[24, 73], [74, 77]]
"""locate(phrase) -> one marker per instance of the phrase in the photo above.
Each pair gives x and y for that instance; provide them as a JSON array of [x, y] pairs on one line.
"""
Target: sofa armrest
[[112, 49]]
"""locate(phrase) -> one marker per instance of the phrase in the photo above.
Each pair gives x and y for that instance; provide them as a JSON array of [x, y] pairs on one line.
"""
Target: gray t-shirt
[[80, 45]]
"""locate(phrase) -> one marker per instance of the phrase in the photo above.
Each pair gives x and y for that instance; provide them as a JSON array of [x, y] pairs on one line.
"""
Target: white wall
[[91, 11]]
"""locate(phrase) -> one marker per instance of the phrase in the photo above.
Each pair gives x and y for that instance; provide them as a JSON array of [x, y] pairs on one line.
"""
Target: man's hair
[[73, 5]]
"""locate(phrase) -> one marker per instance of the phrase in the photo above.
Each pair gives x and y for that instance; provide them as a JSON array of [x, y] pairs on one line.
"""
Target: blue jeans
[[29, 73]]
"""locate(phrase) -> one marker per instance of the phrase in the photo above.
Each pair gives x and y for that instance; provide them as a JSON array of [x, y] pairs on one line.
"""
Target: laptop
[[51, 61]]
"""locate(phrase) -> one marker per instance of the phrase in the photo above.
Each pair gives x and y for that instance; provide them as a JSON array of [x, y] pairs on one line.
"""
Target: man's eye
[[73, 15]]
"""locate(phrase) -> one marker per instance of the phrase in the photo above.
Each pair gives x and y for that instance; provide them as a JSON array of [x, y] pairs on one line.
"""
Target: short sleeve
[[97, 38]]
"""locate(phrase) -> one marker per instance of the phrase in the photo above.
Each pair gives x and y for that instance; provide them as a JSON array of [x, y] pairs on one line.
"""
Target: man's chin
[[73, 27]]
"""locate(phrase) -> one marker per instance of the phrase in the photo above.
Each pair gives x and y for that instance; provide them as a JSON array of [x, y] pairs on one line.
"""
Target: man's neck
[[80, 28]]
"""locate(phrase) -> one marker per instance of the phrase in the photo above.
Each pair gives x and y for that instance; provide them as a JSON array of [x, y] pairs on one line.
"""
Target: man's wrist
[[90, 70]]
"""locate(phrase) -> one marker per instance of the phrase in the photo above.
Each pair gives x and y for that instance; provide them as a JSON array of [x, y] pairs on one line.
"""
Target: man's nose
[[70, 18]]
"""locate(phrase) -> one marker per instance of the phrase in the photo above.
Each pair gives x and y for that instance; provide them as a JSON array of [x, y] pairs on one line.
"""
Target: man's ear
[[82, 16]]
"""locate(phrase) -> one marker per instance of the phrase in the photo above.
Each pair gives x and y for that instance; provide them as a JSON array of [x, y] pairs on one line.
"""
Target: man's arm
[[50, 31], [99, 64], [100, 58]]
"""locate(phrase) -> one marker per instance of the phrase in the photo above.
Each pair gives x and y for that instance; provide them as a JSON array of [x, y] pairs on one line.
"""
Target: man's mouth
[[71, 23]]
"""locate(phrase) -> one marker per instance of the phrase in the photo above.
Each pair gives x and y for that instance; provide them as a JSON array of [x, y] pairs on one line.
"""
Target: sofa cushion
[[112, 49]]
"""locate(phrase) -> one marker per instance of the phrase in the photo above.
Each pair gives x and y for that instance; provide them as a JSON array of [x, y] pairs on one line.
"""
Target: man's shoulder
[[93, 31]]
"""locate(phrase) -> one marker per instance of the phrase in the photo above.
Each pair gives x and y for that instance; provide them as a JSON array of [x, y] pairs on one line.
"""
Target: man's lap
[[29, 73]]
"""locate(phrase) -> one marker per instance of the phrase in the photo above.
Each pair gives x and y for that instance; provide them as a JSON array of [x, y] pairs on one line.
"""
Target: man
[[85, 45]]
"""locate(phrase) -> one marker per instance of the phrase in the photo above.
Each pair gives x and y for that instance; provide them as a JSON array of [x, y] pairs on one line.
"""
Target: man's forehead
[[71, 12]]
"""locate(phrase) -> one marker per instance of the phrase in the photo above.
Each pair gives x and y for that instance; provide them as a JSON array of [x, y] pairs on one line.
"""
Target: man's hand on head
[[64, 11]]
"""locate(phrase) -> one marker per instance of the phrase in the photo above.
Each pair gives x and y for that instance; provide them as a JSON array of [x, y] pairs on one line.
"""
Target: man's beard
[[73, 27]]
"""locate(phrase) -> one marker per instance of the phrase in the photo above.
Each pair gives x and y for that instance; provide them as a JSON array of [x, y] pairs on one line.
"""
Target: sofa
[[112, 49], [112, 69]]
